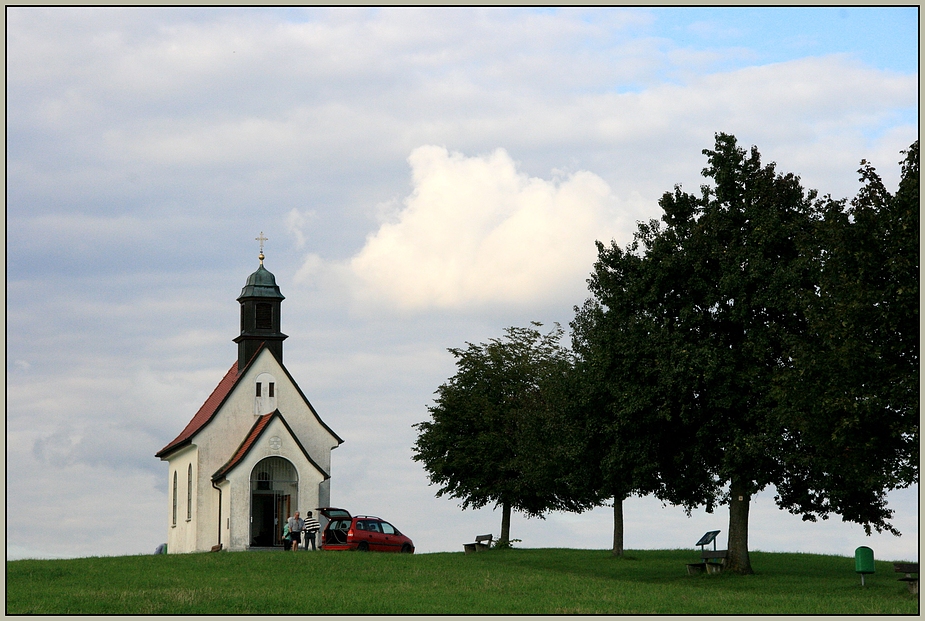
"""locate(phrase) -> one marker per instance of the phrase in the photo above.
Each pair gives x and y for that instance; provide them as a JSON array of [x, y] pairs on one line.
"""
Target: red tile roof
[[206, 412]]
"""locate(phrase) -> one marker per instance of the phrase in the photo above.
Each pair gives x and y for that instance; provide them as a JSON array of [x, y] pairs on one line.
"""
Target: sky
[[425, 177]]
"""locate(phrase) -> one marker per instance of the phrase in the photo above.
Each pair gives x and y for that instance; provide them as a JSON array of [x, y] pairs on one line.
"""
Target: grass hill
[[518, 581]]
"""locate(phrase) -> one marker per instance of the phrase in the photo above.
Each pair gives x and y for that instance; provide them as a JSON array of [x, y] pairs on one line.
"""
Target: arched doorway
[[274, 497]]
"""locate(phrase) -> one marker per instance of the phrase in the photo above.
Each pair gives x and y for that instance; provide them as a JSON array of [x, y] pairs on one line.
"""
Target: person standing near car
[[295, 530], [311, 529]]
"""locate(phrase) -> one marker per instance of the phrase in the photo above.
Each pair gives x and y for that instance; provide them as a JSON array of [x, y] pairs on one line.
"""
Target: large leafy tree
[[498, 432], [704, 331], [716, 300], [606, 472], [741, 255], [617, 390]]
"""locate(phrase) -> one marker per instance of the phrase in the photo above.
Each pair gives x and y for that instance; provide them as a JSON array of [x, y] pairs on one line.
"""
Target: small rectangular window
[[258, 389], [270, 389]]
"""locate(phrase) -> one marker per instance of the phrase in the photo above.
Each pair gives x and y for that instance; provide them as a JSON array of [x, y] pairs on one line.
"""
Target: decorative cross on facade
[[261, 239]]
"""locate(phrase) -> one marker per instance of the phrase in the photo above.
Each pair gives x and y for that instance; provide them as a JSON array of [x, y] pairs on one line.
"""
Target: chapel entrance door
[[274, 496], [283, 511]]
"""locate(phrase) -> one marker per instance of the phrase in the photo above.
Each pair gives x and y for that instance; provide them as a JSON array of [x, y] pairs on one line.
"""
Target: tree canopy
[[496, 426]]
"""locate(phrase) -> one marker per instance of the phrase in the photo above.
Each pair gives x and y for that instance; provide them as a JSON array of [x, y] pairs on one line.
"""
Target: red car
[[361, 532]]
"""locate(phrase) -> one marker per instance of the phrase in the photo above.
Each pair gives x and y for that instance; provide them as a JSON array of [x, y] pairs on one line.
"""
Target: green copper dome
[[261, 284]]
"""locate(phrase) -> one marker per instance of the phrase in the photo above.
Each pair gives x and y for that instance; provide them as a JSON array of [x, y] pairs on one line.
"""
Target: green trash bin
[[863, 562]]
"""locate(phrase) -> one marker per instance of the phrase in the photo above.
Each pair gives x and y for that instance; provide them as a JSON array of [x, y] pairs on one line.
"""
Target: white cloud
[[311, 267], [295, 222], [476, 231]]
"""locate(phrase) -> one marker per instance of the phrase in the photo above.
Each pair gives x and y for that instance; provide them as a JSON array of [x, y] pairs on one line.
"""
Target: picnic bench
[[711, 561], [479, 544], [909, 569]]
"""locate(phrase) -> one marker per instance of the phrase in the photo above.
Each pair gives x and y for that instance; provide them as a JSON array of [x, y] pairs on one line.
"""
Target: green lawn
[[550, 581]]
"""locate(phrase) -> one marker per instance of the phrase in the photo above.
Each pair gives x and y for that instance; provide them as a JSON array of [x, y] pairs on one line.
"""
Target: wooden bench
[[707, 557], [708, 562], [713, 560], [479, 544], [908, 569]]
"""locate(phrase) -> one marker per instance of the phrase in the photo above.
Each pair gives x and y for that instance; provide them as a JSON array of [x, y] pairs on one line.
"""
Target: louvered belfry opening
[[274, 498], [260, 302], [264, 319]]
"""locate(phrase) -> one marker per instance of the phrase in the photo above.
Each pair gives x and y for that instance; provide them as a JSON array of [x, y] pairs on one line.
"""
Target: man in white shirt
[[295, 530]]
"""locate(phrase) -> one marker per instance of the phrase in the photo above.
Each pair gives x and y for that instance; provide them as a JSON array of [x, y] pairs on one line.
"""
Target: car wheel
[[406, 549], [363, 547]]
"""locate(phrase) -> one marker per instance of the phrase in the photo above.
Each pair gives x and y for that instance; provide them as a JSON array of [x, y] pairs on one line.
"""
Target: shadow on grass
[[655, 567]]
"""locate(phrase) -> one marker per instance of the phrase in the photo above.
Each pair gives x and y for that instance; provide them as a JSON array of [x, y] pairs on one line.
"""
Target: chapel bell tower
[[260, 301]]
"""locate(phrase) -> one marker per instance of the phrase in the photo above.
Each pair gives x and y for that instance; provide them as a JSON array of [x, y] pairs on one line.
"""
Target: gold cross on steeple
[[261, 239]]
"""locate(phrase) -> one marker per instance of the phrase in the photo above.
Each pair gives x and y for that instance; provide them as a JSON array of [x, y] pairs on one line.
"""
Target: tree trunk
[[737, 547], [617, 526], [504, 541]]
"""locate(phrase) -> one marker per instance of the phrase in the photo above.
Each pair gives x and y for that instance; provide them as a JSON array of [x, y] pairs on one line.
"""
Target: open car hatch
[[333, 513]]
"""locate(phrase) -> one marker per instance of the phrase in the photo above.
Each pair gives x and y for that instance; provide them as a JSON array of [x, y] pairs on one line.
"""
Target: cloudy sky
[[425, 177]]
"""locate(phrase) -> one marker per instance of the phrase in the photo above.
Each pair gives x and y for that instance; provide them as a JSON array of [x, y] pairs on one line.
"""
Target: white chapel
[[256, 451]]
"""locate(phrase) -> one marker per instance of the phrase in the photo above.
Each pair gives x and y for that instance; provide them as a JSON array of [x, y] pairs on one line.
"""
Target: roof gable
[[213, 404], [298, 389], [251, 439], [310, 406]]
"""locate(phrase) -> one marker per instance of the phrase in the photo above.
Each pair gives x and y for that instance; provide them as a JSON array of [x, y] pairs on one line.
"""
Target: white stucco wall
[[227, 528], [181, 536], [213, 445], [264, 404], [324, 495]]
